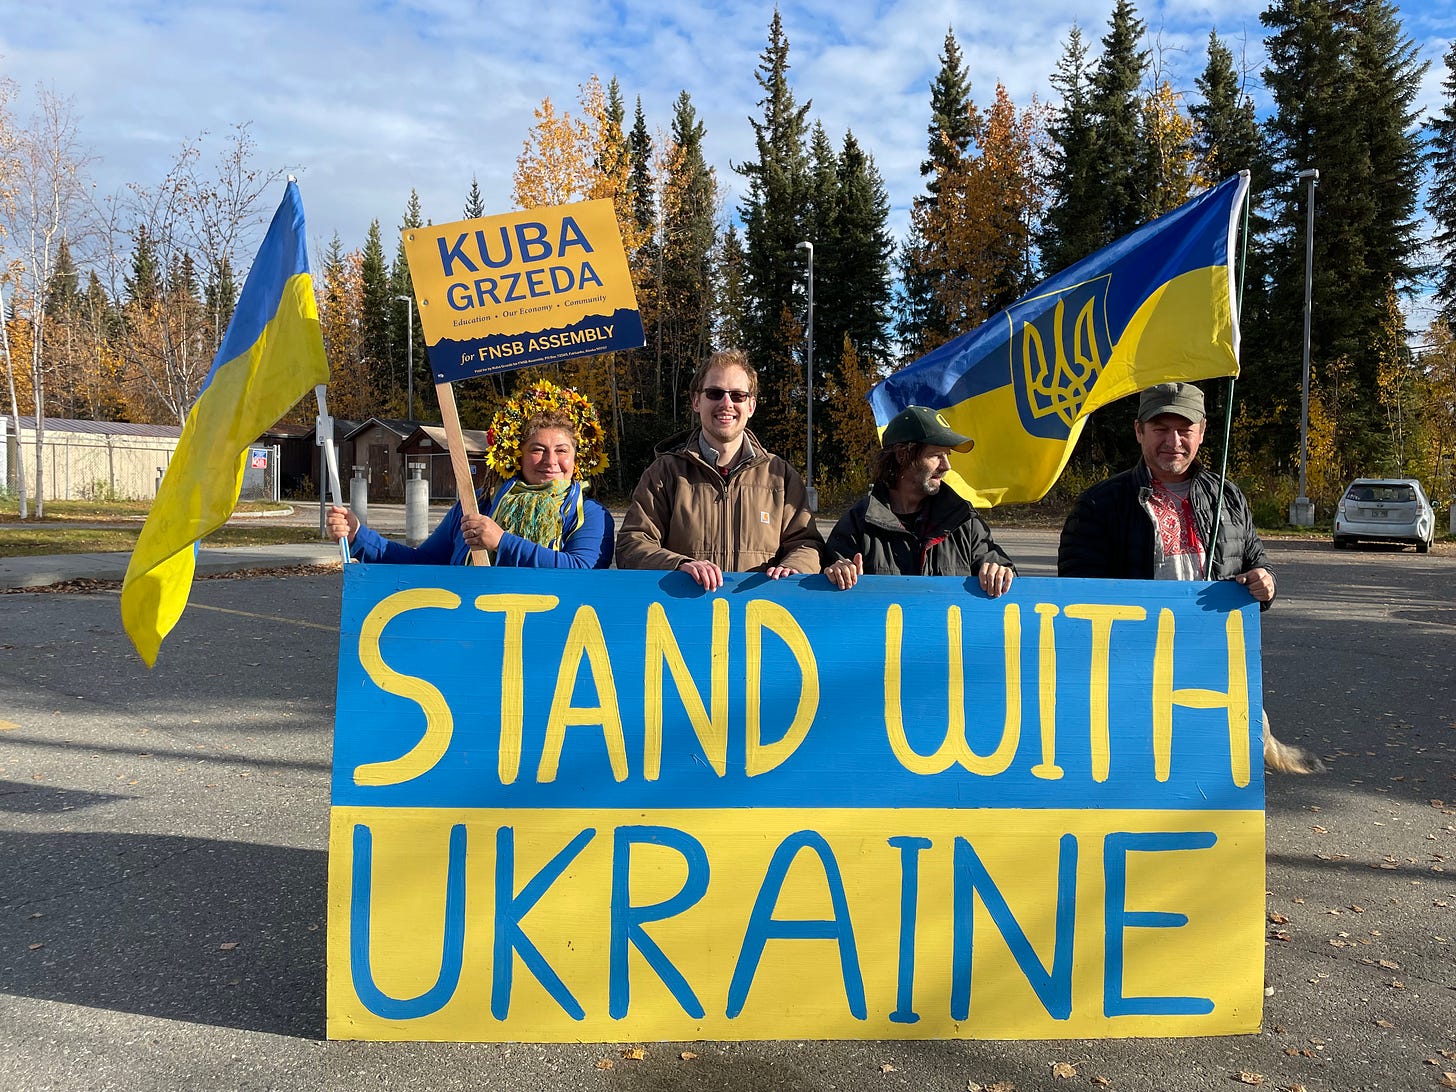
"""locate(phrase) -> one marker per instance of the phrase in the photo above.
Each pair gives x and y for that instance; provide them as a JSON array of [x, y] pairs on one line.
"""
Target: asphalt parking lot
[[162, 865]]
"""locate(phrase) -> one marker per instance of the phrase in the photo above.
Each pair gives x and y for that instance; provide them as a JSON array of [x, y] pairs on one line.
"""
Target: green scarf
[[533, 512]]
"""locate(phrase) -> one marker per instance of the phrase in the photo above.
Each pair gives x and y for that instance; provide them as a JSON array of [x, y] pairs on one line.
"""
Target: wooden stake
[[464, 483]]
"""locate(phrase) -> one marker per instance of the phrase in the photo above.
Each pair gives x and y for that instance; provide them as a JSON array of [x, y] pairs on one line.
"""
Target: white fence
[[84, 461]]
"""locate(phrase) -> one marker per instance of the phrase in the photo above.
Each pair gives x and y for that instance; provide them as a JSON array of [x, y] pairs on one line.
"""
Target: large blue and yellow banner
[[1156, 306], [611, 806], [532, 287]]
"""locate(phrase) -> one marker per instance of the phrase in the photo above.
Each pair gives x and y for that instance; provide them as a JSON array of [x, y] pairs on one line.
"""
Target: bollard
[[359, 494], [416, 505]]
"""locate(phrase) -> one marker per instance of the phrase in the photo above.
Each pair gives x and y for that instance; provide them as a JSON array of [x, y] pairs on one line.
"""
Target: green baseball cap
[[1184, 399], [923, 425]]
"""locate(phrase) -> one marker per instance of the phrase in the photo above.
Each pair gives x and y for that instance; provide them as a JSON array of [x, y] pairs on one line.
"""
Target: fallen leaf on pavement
[[1250, 1078], [227, 945], [687, 1055], [1382, 1022], [634, 1054], [1448, 1080], [886, 1067], [1064, 1071], [1101, 1081], [605, 1063]]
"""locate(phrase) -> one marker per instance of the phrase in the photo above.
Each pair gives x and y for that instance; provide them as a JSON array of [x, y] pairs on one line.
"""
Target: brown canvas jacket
[[684, 510]]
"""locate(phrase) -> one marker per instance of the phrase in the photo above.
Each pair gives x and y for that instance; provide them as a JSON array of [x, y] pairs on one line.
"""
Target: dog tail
[[1287, 758]]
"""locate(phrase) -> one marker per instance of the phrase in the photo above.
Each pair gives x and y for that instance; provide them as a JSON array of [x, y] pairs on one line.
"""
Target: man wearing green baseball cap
[[910, 525], [1155, 521]]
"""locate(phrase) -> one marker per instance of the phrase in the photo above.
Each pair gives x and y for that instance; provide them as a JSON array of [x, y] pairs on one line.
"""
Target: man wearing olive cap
[[1154, 521], [909, 525]]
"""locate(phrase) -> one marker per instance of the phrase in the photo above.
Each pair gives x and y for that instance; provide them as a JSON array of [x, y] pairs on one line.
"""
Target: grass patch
[[124, 511], [18, 540]]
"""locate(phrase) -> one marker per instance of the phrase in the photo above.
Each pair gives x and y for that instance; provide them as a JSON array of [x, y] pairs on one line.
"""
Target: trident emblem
[[1064, 348]]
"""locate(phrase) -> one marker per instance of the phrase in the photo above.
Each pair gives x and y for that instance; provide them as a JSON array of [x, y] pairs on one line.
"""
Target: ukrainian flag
[[1156, 306], [272, 355]]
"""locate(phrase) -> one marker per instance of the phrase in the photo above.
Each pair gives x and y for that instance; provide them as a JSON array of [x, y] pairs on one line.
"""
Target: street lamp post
[[809, 382], [1301, 512], [409, 333]]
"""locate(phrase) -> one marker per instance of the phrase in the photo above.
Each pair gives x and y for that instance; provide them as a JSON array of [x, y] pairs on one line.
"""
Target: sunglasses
[[717, 394]]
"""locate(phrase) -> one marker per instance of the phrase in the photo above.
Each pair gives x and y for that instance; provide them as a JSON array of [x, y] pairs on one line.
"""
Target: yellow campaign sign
[[611, 806], [532, 287]]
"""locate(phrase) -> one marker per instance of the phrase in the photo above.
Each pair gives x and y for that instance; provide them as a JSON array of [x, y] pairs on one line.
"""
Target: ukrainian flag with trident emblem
[[1156, 306]]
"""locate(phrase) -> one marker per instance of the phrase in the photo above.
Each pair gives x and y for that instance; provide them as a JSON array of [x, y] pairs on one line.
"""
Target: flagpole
[[331, 460], [1228, 409]]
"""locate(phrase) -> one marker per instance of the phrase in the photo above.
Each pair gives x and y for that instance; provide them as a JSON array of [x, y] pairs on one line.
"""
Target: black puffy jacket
[[872, 529], [1109, 534]]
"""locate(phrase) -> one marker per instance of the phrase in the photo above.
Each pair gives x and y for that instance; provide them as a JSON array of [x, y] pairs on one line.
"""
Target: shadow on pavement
[[224, 933]]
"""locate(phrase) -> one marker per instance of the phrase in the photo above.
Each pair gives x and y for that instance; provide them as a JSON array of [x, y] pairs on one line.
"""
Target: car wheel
[[1341, 542], [1423, 546]]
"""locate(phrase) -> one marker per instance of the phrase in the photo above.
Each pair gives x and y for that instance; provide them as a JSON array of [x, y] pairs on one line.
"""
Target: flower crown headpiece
[[507, 429]]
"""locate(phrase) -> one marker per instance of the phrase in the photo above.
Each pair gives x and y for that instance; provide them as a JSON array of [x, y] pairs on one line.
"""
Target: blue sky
[[368, 100]]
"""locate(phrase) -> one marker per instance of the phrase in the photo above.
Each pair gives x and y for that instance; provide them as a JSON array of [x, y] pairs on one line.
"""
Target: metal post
[[809, 383], [1301, 512], [409, 333], [359, 494], [416, 504]]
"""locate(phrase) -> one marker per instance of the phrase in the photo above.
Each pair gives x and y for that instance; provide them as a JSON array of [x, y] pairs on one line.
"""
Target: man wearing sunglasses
[[714, 500]]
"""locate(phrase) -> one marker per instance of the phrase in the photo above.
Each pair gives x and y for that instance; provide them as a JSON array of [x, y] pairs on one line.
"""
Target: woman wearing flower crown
[[533, 510]]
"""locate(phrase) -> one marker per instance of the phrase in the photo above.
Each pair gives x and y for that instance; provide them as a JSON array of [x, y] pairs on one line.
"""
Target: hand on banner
[[845, 573], [1260, 583], [994, 578], [341, 523], [708, 575], [773, 572]]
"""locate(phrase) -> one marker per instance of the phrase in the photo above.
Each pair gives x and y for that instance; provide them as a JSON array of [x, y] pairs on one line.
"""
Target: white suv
[[1385, 510]]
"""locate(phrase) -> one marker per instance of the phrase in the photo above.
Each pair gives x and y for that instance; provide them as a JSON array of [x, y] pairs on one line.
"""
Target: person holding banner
[[714, 501], [534, 512], [909, 525], [1154, 522]]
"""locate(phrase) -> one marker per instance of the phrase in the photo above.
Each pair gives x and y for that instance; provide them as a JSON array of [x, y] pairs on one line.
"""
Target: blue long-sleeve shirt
[[588, 529]]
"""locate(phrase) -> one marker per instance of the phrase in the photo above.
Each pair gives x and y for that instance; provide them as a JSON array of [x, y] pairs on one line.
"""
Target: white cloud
[[370, 100]]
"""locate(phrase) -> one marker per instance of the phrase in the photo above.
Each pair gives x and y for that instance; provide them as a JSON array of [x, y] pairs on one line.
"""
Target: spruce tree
[[852, 297], [689, 234], [920, 320], [401, 283], [143, 284], [1229, 140], [376, 304], [1128, 178], [1343, 78], [951, 126], [63, 290], [774, 214], [474, 202], [1071, 225], [639, 149], [1441, 202]]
